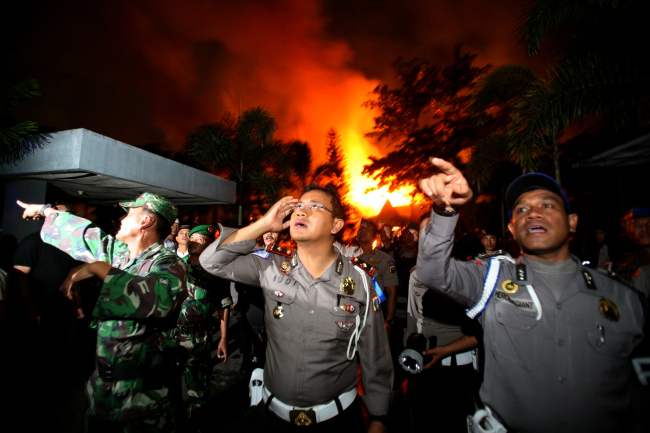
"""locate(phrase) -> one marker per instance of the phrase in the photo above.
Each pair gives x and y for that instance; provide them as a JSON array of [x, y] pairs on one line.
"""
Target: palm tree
[[243, 149], [17, 139], [513, 92], [606, 66]]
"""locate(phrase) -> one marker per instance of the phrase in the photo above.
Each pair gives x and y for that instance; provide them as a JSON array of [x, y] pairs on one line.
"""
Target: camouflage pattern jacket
[[138, 306], [206, 294]]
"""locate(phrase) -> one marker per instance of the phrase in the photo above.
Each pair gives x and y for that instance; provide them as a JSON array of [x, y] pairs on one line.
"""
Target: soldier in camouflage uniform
[[205, 295], [140, 300]]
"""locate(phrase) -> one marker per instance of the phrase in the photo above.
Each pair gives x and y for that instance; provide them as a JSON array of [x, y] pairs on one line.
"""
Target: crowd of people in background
[[56, 336]]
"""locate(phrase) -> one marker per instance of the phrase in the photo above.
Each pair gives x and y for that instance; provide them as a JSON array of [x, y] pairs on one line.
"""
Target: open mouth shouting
[[300, 224], [534, 229]]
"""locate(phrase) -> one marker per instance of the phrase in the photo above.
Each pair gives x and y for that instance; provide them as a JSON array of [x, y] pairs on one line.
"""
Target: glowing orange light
[[374, 244], [357, 150]]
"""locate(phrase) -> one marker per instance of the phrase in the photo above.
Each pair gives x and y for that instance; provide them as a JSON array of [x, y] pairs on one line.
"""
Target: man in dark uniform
[[557, 335], [321, 309]]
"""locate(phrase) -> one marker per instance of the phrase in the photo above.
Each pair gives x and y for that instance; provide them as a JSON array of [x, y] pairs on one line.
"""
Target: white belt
[[461, 359], [323, 411]]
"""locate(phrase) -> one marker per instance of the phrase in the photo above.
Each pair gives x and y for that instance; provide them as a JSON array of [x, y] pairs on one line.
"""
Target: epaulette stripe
[[365, 267], [276, 249]]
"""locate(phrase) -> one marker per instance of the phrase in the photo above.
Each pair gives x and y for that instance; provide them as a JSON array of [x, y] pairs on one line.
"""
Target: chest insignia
[[285, 267], [608, 310], [365, 267], [345, 326], [349, 308], [277, 249], [339, 266], [373, 260], [347, 286], [278, 311], [279, 294], [509, 287]]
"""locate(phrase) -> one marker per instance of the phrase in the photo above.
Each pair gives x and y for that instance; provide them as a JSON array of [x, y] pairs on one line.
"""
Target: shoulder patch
[[263, 254], [365, 267], [277, 249]]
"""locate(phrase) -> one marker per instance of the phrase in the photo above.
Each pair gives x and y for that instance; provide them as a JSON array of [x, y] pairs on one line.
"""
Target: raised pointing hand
[[447, 187]]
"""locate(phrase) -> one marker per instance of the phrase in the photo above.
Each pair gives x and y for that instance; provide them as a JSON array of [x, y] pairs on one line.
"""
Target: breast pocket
[[343, 314], [514, 338], [607, 357], [280, 308]]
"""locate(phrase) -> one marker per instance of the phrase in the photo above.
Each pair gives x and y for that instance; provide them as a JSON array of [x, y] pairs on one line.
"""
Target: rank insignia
[[279, 294], [278, 311], [521, 272], [277, 249], [347, 286], [510, 287], [339, 266], [589, 281], [285, 267], [368, 269], [608, 310], [345, 326]]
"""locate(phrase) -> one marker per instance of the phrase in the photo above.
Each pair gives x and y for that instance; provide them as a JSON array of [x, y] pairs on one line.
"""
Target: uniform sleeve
[[460, 281], [376, 363], [390, 273], [82, 240], [155, 295], [413, 310], [232, 261]]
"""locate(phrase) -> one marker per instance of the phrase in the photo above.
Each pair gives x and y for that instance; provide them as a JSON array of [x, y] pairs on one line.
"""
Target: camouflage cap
[[154, 203], [203, 230]]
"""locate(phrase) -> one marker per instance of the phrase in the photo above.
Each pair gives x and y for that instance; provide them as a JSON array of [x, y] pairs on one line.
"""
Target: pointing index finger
[[444, 166]]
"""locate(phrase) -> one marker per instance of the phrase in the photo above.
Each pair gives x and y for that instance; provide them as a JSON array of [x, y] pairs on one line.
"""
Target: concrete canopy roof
[[98, 169]]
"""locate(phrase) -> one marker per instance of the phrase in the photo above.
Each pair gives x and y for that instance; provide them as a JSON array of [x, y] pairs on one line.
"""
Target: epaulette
[[365, 267], [277, 249], [489, 256], [614, 276]]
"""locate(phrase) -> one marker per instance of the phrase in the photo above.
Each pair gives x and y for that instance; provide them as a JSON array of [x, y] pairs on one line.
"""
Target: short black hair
[[333, 193], [163, 227], [64, 203]]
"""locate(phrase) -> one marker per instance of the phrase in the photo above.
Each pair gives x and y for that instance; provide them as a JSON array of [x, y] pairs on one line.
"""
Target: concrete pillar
[[28, 191]]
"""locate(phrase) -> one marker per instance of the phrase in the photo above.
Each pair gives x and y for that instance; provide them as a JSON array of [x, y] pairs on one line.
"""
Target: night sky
[[149, 71]]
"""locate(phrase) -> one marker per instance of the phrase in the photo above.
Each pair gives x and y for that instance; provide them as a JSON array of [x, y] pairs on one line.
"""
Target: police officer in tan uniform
[[322, 317], [557, 335]]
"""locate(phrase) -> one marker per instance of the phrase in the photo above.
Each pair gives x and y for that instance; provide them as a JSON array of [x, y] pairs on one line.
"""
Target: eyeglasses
[[310, 207]]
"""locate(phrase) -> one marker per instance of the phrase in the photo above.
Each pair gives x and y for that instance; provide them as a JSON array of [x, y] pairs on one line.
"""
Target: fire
[[357, 149], [374, 244]]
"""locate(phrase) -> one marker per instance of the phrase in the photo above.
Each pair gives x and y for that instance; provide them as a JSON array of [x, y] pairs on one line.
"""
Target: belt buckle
[[303, 417]]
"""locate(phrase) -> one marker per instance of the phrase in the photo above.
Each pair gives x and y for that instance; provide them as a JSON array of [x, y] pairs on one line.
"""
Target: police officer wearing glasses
[[322, 315]]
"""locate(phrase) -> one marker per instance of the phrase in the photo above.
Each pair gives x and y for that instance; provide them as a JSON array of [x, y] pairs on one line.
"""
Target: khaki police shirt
[[385, 272], [568, 371], [306, 357]]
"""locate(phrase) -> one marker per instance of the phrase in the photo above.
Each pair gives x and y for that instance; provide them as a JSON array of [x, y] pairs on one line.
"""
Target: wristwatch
[[391, 322], [443, 212], [42, 211]]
